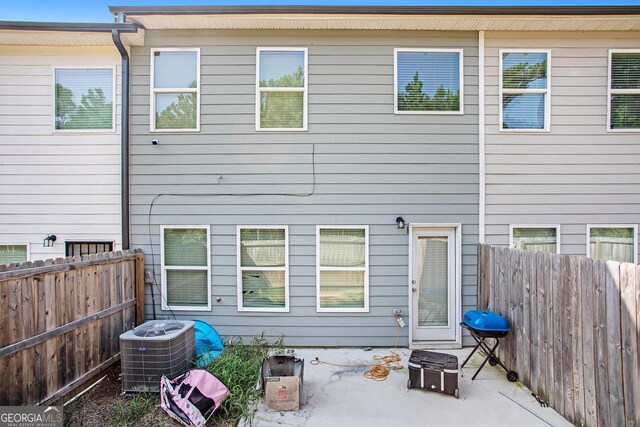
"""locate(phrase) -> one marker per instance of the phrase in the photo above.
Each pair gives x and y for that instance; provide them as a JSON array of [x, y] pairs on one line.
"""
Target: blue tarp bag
[[208, 343]]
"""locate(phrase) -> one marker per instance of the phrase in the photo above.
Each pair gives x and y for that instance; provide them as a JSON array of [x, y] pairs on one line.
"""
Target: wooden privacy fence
[[60, 321], [575, 332]]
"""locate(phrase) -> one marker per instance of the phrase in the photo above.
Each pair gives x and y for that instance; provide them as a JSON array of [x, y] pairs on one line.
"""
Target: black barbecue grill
[[484, 324]]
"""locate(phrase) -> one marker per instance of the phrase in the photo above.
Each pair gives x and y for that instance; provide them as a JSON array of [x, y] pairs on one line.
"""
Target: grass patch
[[238, 367], [129, 412]]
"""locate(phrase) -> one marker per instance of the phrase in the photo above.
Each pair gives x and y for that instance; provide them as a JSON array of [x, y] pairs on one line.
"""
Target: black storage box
[[433, 371]]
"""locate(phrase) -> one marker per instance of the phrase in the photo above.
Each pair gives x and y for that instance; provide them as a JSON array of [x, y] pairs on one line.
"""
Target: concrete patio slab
[[342, 396]]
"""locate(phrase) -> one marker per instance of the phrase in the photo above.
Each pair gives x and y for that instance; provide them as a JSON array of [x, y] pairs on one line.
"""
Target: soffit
[[388, 22]]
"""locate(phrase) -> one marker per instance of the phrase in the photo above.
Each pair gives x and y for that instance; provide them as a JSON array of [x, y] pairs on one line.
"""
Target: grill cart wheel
[[493, 361], [512, 376], [456, 393], [409, 384]]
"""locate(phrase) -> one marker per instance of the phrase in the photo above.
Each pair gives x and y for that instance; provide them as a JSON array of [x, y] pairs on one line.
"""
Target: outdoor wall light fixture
[[400, 222], [48, 241]]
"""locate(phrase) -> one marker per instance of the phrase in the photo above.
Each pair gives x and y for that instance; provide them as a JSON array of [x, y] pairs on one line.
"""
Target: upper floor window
[[624, 90], [281, 89], [536, 238], [612, 242], [263, 276], [84, 99], [524, 90], [428, 81], [14, 253], [175, 90]]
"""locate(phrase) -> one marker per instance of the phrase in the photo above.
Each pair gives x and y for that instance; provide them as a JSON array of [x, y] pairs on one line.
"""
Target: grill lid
[[484, 320], [157, 328]]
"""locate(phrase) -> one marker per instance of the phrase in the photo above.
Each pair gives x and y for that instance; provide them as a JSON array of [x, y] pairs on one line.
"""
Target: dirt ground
[[105, 405]]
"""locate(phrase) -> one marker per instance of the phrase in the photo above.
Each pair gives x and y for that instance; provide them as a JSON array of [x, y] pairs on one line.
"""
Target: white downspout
[[481, 155]]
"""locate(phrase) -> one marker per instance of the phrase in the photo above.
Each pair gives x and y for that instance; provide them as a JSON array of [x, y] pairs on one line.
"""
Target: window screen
[[185, 255], [536, 239], [282, 83], [262, 268], [625, 90], [525, 90], [176, 93], [612, 244], [84, 99], [343, 269], [13, 253], [428, 81]]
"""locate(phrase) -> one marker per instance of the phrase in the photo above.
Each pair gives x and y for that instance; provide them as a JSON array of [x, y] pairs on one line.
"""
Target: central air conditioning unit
[[153, 349]]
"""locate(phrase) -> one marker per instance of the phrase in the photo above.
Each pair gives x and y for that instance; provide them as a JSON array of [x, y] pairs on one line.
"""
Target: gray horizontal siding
[[578, 173], [370, 167]]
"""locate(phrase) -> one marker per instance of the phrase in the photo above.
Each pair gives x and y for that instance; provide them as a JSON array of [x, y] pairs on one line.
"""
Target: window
[[87, 248], [342, 268], [524, 90], [186, 275], [263, 269], [536, 238], [281, 89], [612, 242], [428, 81], [11, 253], [84, 99], [175, 90], [624, 90]]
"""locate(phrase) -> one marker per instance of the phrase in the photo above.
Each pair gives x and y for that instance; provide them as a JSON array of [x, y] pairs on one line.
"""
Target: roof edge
[[69, 26], [376, 10]]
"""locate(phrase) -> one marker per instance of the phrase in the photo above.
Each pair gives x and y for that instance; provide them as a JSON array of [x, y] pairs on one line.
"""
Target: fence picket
[[616, 402], [526, 319], [558, 316], [588, 364], [541, 260], [576, 341], [629, 338]]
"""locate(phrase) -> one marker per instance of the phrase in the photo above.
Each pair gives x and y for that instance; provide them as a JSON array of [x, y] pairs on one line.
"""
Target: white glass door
[[433, 285]]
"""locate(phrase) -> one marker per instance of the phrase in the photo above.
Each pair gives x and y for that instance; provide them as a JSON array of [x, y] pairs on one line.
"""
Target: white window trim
[[547, 92], [556, 226], [303, 89], [27, 244], [611, 92], [635, 237], [240, 268], [164, 268], [153, 91], [365, 309], [115, 98], [395, 80]]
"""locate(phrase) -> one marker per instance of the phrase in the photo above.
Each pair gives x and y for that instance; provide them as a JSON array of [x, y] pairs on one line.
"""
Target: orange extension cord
[[380, 370]]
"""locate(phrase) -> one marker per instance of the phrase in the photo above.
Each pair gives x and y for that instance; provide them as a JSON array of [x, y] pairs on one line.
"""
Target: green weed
[[131, 412], [238, 367]]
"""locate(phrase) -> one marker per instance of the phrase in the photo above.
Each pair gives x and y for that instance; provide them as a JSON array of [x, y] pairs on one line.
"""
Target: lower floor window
[[263, 261], [342, 265], [612, 243], [186, 268], [87, 248], [13, 253], [535, 238]]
